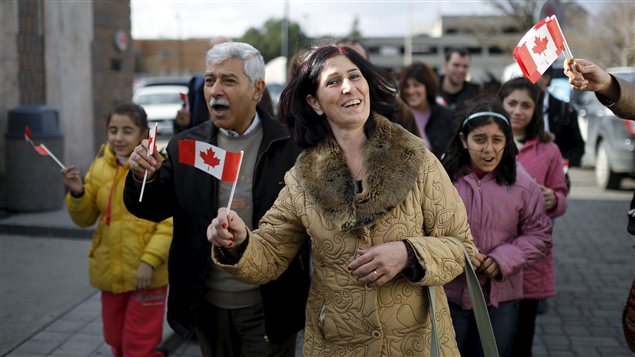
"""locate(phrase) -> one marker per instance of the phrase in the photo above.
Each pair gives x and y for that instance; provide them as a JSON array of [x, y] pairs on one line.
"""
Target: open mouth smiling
[[352, 103]]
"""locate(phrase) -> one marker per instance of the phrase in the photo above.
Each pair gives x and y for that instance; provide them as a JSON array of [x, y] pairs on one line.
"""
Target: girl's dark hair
[[457, 158], [423, 74], [536, 127], [307, 127], [136, 113]]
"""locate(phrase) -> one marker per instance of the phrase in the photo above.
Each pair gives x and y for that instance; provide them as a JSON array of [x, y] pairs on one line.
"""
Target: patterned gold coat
[[406, 195]]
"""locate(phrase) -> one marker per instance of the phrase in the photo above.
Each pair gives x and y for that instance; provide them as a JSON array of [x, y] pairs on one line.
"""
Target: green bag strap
[[479, 307], [434, 343]]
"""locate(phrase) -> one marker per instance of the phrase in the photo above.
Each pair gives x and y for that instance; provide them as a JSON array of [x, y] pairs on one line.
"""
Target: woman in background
[[540, 156], [433, 122]]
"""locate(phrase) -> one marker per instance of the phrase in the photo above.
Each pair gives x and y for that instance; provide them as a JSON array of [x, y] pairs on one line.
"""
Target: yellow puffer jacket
[[121, 241]]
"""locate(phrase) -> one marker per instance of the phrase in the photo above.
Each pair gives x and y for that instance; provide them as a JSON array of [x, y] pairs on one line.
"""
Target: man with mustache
[[230, 318], [197, 112]]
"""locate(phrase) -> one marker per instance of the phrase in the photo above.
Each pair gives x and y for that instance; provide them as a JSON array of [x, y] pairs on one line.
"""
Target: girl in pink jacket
[[507, 218], [541, 158]]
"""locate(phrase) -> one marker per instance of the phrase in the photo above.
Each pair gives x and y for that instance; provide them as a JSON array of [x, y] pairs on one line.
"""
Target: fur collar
[[392, 161]]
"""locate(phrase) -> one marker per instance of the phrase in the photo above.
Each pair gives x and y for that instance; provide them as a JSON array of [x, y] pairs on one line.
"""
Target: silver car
[[161, 102], [610, 141]]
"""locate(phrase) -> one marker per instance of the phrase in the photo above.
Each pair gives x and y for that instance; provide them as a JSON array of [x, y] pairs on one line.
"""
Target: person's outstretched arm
[[614, 93]]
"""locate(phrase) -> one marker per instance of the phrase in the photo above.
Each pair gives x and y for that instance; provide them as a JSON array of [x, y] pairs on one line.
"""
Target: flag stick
[[567, 50], [143, 185], [231, 194], [52, 156], [150, 152]]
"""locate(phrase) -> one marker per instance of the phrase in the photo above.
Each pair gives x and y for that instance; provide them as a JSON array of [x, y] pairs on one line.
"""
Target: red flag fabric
[[539, 48], [565, 166], [28, 136], [185, 101], [152, 140], [223, 165]]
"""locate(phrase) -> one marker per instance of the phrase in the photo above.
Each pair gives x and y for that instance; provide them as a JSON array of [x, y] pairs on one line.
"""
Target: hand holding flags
[[40, 149], [540, 47], [152, 146], [224, 165]]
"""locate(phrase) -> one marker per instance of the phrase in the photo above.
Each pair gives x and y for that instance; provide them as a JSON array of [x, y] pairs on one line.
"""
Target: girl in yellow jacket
[[128, 255]]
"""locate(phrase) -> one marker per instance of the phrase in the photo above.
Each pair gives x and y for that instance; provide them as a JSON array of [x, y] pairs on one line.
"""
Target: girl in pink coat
[[540, 156], [542, 159], [507, 218]]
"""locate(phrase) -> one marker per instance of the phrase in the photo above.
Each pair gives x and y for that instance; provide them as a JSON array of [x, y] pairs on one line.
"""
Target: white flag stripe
[[542, 59], [153, 138], [201, 148]]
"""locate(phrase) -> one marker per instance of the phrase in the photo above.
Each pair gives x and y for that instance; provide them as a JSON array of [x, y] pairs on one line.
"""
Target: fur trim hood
[[392, 160]]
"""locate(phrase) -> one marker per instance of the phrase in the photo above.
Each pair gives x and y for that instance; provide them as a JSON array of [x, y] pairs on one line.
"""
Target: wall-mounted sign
[[121, 40]]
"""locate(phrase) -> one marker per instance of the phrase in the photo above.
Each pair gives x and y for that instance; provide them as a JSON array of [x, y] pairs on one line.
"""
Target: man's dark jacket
[[456, 100], [190, 196], [440, 129], [563, 123]]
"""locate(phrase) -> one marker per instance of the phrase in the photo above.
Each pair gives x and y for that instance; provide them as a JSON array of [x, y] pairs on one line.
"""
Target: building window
[[495, 50], [424, 50], [390, 50], [475, 50]]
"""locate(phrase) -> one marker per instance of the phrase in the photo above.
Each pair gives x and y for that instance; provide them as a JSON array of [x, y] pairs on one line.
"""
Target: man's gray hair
[[254, 63]]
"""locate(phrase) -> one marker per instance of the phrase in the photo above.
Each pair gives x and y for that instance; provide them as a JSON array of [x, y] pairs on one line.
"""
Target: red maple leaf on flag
[[540, 45], [209, 157], [150, 141]]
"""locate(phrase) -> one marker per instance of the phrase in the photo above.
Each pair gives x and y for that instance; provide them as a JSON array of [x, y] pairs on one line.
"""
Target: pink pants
[[133, 321]]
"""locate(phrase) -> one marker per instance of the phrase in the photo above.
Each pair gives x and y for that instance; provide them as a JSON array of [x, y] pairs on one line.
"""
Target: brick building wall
[[170, 57], [30, 42]]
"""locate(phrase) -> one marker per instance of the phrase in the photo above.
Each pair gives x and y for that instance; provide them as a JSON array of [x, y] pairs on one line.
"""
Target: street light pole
[[285, 36], [407, 55], [179, 42]]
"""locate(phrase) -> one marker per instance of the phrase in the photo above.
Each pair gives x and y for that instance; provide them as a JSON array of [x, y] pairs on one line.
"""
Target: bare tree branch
[[521, 11]]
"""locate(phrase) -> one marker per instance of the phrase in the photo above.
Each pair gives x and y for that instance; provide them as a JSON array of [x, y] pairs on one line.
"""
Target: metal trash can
[[33, 181]]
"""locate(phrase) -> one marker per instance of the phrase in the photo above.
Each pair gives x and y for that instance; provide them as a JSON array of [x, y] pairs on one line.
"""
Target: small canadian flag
[[222, 164], [539, 48], [152, 147], [184, 100], [28, 136], [41, 149], [152, 140]]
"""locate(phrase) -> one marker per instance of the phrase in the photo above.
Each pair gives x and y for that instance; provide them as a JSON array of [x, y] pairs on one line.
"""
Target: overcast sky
[[203, 19], [207, 18]]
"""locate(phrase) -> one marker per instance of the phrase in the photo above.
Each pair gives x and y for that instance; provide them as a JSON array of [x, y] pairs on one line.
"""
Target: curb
[[58, 232]]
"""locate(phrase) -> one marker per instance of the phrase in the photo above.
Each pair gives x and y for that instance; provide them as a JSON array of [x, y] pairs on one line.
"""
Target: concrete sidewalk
[[69, 328]]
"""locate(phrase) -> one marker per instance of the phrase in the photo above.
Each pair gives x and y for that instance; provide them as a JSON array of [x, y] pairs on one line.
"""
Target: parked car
[[610, 141], [161, 102], [160, 81]]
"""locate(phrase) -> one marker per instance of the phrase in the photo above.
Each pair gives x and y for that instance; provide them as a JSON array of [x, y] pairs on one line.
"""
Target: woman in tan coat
[[381, 215]]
